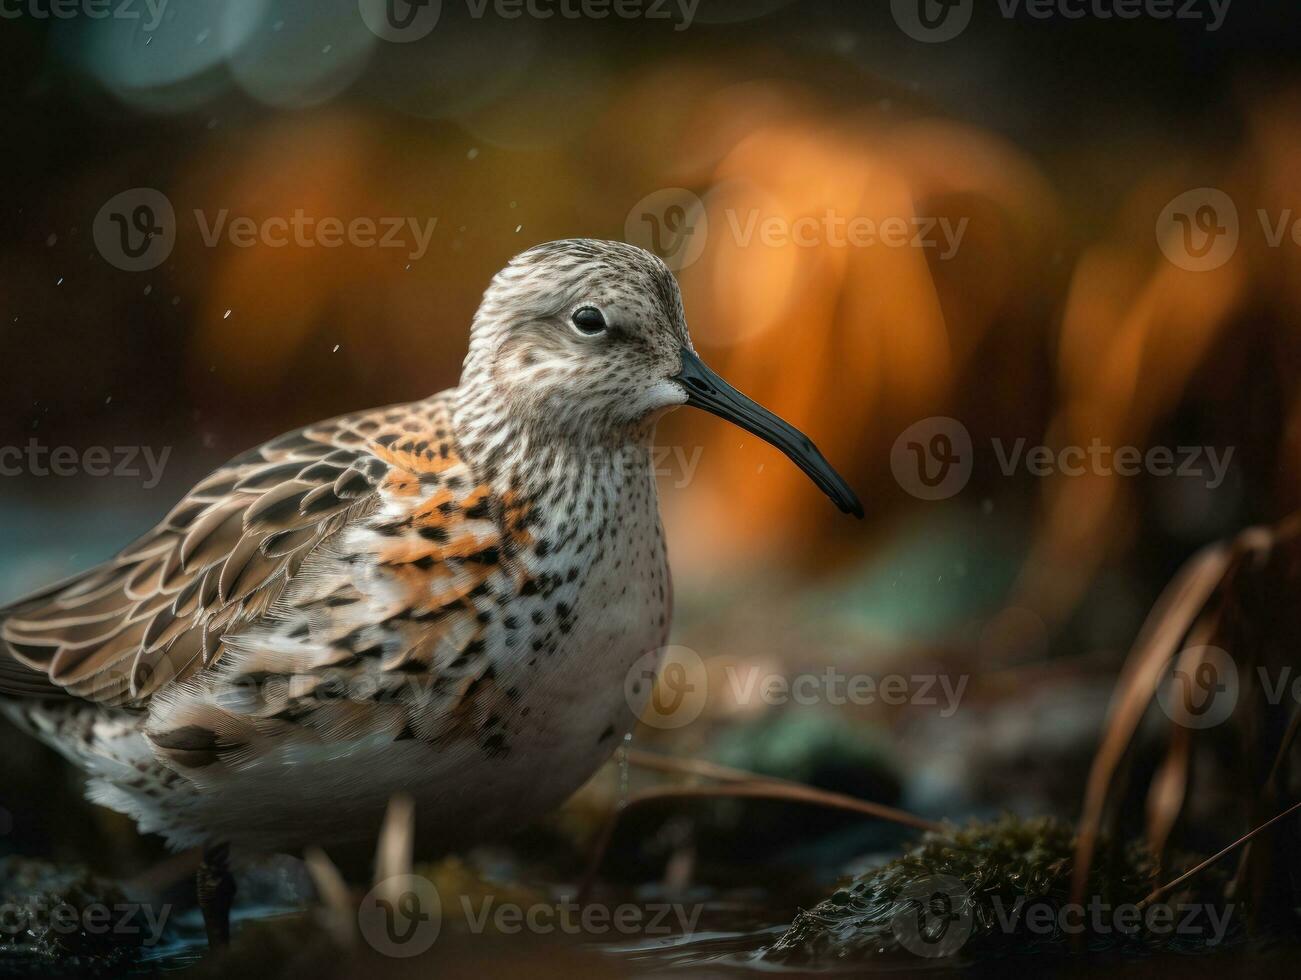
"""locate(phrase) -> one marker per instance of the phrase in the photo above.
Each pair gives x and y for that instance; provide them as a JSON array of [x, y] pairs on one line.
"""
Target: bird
[[440, 598]]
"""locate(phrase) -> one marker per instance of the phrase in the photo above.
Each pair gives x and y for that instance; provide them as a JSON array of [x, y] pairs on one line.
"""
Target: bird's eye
[[589, 320]]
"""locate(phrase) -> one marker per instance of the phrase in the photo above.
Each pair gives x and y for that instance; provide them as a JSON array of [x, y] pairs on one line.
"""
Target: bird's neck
[[539, 457]]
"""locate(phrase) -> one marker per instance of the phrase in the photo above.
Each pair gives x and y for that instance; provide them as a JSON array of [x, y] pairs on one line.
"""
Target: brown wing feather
[[158, 611]]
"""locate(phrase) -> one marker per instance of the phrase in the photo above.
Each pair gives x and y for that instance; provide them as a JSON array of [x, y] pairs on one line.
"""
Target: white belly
[[573, 713]]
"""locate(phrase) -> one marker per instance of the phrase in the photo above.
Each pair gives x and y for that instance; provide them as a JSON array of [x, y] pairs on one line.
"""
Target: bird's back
[[160, 610]]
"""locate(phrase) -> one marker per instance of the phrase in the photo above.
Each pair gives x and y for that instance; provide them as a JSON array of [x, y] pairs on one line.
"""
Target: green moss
[[997, 888]]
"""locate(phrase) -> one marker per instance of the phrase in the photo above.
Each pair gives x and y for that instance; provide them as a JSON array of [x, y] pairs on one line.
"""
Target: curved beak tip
[[853, 506], [708, 391]]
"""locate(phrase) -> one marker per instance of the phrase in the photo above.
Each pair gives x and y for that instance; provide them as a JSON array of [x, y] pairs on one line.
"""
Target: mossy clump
[[993, 889], [64, 921]]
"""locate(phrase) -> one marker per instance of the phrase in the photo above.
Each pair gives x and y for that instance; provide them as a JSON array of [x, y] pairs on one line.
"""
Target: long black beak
[[707, 390]]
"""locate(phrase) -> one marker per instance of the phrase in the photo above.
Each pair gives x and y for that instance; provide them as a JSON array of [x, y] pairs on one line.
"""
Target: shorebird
[[439, 598]]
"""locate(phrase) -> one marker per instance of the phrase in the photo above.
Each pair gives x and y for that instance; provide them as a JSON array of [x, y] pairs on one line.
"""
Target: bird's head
[[587, 340]]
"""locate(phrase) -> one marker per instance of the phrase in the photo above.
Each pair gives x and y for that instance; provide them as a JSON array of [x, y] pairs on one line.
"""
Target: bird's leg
[[216, 889]]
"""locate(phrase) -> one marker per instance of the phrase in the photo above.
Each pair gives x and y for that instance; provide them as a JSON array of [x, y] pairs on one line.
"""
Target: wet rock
[[65, 921], [1000, 888]]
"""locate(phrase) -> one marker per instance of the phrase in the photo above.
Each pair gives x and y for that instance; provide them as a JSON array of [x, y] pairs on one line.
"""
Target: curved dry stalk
[[340, 914], [793, 793], [1169, 787], [396, 841], [698, 767], [793, 790], [755, 787], [1170, 886], [1171, 618]]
